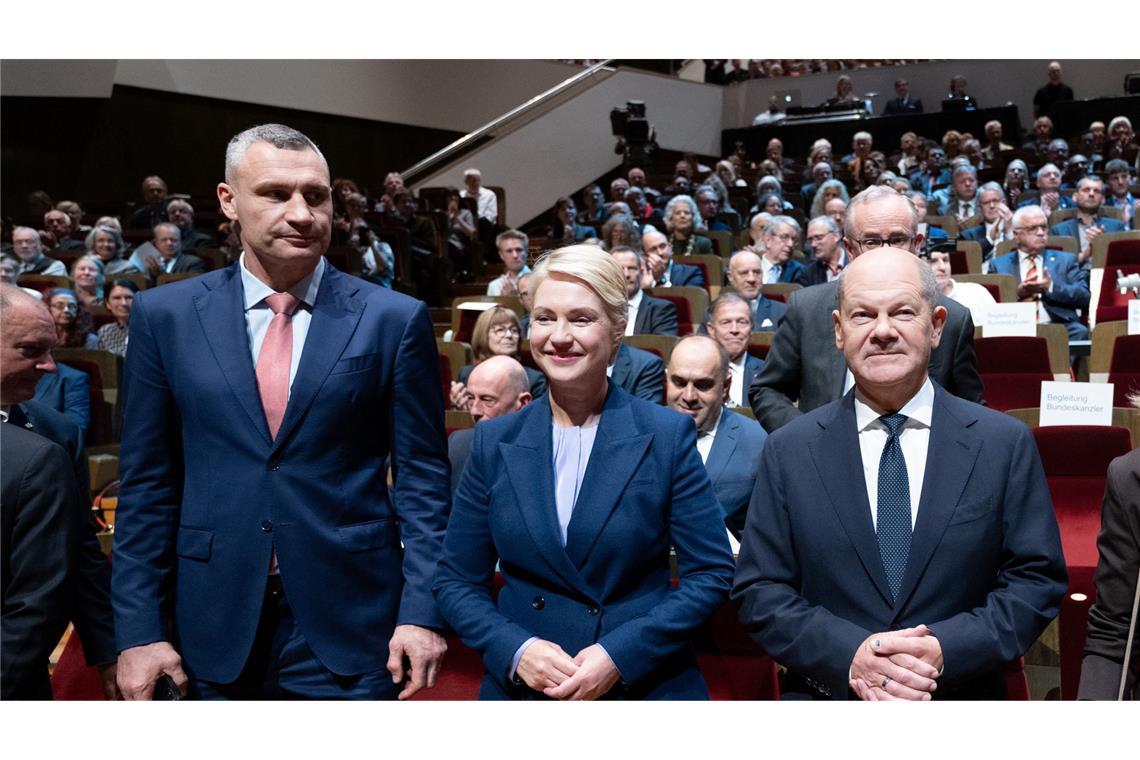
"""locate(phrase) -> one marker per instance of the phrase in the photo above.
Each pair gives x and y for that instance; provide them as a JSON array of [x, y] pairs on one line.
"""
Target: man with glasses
[[1050, 278], [804, 364], [997, 220], [780, 237], [745, 278], [825, 237], [1049, 191]]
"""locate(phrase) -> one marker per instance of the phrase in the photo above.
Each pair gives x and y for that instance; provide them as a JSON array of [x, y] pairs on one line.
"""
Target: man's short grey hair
[[171, 225], [862, 136], [179, 203], [277, 135], [1115, 166], [727, 298], [778, 220], [927, 285], [966, 168], [1090, 178], [1024, 211], [992, 187], [826, 221], [876, 194]]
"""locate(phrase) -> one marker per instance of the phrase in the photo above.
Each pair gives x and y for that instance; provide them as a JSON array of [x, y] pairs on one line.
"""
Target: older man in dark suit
[[647, 315], [498, 385], [901, 541], [803, 364]]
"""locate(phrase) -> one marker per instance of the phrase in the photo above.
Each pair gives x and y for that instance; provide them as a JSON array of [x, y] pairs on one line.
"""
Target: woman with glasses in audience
[[113, 336], [72, 321], [578, 499], [106, 242], [497, 333], [682, 218], [87, 276]]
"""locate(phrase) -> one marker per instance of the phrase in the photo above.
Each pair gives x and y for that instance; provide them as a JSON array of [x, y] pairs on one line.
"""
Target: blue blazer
[[686, 274], [1070, 290], [640, 374], [985, 571], [1071, 227], [767, 310], [733, 463], [655, 316], [67, 390], [791, 270], [644, 492], [196, 530]]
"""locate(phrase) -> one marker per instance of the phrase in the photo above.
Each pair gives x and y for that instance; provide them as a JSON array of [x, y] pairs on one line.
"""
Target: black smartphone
[[165, 690]]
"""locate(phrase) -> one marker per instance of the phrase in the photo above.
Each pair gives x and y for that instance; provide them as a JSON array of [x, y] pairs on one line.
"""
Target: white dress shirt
[[736, 388], [487, 205], [705, 440], [631, 320], [258, 315], [771, 272], [914, 441]]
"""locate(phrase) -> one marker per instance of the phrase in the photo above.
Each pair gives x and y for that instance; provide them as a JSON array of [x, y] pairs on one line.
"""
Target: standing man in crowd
[[901, 542], [803, 364], [270, 547], [486, 203], [1053, 91], [902, 103]]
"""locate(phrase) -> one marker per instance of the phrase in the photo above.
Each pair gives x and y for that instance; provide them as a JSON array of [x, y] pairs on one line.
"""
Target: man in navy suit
[[729, 443], [639, 373], [27, 335], [730, 325], [258, 548], [780, 237], [746, 277], [1049, 195], [903, 103], [997, 220], [498, 385], [67, 391], [1088, 223], [659, 259], [960, 200], [917, 551], [1051, 278], [647, 315]]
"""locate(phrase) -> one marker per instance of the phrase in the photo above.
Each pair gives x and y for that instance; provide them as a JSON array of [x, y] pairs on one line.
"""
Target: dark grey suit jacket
[[458, 450], [804, 365], [655, 316], [639, 373]]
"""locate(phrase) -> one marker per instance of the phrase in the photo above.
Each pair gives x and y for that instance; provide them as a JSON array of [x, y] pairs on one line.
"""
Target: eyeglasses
[[816, 238], [786, 237], [1033, 229], [894, 241], [500, 330]]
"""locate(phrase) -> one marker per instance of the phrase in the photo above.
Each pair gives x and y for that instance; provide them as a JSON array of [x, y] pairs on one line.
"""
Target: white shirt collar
[[739, 365], [635, 299], [712, 433], [919, 409], [256, 291]]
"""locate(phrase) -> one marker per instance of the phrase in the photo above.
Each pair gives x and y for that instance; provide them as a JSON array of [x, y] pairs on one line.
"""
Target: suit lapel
[[950, 460], [642, 315], [839, 465], [621, 365], [335, 316], [221, 312], [724, 445], [618, 451], [529, 464], [836, 364]]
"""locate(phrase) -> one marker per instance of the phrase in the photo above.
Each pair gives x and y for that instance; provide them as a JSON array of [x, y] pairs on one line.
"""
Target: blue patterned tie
[[893, 513]]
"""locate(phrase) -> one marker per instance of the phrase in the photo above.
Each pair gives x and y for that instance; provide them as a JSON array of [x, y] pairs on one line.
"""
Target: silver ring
[[886, 680]]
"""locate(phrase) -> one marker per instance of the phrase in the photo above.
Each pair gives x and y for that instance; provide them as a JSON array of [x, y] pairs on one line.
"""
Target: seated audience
[[497, 333], [636, 177], [820, 173], [829, 257], [729, 323], [1119, 195], [973, 296], [170, 260], [994, 146], [512, 246], [1051, 278], [486, 201], [9, 269], [700, 376], [377, 260], [565, 229], [181, 215], [67, 390], [1121, 140], [1016, 181], [727, 173], [27, 246], [663, 271], [108, 245], [780, 238], [958, 99], [682, 218], [932, 174], [960, 200], [861, 143], [828, 189], [621, 229], [60, 225], [647, 315], [87, 276], [75, 212], [1088, 223], [497, 386], [113, 335], [745, 278], [1050, 198], [153, 209], [997, 220], [72, 322], [836, 208], [933, 234]]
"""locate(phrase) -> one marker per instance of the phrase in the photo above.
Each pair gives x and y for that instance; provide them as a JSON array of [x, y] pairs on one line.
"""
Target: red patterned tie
[[275, 359], [1031, 275]]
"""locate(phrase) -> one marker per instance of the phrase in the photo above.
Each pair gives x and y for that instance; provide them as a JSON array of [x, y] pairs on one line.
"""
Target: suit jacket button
[[593, 609], [266, 525], [538, 602], [275, 466]]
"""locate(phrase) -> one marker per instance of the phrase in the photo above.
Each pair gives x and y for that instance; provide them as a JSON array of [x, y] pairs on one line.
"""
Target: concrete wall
[[991, 83], [572, 145]]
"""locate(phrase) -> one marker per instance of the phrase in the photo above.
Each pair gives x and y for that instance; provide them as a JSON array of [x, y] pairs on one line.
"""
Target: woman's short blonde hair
[[596, 269], [480, 340]]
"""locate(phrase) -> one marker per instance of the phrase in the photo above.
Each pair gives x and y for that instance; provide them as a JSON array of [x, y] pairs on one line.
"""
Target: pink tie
[[275, 359]]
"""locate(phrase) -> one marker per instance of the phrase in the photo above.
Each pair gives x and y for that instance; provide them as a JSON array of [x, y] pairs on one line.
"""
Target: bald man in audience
[[804, 370], [745, 277], [497, 386], [730, 325], [729, 444]]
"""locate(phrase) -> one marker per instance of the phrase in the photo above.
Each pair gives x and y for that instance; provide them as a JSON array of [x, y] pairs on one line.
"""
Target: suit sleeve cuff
[[511, 678]]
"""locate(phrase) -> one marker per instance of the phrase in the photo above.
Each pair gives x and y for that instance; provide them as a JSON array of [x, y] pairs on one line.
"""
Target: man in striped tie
[[915, 551]]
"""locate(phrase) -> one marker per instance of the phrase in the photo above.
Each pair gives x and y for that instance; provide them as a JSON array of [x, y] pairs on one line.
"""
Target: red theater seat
[[1076, 460], [1012, 370]]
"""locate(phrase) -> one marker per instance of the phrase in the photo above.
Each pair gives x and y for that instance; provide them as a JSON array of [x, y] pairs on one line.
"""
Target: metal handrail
[[471, 137]]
